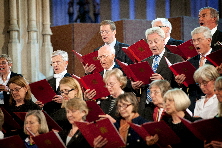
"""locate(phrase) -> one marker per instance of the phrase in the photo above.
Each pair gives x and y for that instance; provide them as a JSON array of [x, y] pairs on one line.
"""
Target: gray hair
[[6, 57], [206, 72], [164, 21], [153, 30], [213, 13], [163, 85], [62, 53], [205, 30]]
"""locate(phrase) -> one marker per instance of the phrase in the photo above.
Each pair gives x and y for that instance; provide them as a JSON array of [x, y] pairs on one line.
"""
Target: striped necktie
[[155, 63]]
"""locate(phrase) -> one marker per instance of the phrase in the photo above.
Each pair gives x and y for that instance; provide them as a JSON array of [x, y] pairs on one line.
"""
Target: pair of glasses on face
[[104, 32], [110, 84], [162, 26], [14, 90], [124, 106], [154, 93], [66, 92], [3, 63], [204, 83], [56, 63], [103, 56], [197, 40]]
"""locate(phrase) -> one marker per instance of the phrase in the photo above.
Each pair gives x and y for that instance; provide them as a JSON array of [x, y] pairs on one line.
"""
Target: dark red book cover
[[42, 91], [185, 50], [90, 58], [21, 115], [215, 57], [102, 127], [138, 51], [165, 133], [95, 81], [12, 142], [137, 72], [9, 122], [185, 68], [49, 140], [205, 129], [51, 123], [94, 111]]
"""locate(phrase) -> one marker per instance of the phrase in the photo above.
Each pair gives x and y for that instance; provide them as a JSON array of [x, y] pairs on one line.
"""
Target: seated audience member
[[69, 88], [6, 74], [59, 62], [218, 92], [20, 95], [76, 110], [166, 26], [1, 124], [115, 83], [35, 123], [127, 106], [156, 112], [206, 107], [156, 40], [176, 103]]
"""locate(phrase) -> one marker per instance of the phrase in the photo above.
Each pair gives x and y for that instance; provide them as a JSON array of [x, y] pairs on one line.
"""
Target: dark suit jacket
[[120, 54], [217, 36], [173, 41], [164, 71], [53, 106], [105, 105]]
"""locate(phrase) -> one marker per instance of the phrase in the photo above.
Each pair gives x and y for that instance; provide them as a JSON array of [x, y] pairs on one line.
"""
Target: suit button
[[138, 140], [129, 134]]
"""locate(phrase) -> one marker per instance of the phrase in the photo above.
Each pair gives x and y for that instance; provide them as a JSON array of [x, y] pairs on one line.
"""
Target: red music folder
[[51, 123], [12, 142], [49, 140], [9, 122], [215, 57], [185, 50], [94, 81], [102, 127], [94, 111], [138, 51], [185, 68], [42, 91], [166, 135], [138, 71], [90, 58], [205, 129]]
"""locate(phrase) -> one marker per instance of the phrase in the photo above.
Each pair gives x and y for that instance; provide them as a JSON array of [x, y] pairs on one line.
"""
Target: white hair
[[153, 30], [164, 21], [62, 53]]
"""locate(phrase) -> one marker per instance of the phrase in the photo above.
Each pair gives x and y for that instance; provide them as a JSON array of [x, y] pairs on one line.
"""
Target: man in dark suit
[[156, 40], [108, 34], [201, 37], [209, 17], [59, 61], [166, 26]]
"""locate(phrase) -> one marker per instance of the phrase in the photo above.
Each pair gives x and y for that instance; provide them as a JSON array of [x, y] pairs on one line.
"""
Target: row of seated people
[[169, 105]]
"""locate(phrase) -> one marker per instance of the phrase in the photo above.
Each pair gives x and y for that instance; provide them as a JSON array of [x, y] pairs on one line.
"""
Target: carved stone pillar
[[14, 47], [32, 45], [46, 49]]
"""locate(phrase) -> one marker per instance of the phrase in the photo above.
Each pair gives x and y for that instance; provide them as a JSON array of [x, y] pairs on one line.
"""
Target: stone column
[[14, 46], [32, 45], [46, 49]]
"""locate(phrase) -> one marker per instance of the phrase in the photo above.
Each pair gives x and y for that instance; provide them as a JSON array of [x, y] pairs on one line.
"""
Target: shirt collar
[[167, 39], [161, 54], [112, 44], [111, 67], [206, 53], [213, 30]]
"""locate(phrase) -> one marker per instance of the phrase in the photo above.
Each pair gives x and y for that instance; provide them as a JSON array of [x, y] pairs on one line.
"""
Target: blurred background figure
[[71, 11], [207, 106], [96, 11], [83, 13], [35, 123]]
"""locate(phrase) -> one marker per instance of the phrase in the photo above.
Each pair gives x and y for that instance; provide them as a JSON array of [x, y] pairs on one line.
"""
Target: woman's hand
[[4, 88], [137, 84], [57, 98], [156, 76], [99, 142], [89, 94], [39, 103], [151, 140], [213, 144], [109, 117], [180, 79]]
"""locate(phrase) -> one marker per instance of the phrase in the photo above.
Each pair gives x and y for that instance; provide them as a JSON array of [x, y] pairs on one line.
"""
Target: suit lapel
[[162, 63], [117, 48]]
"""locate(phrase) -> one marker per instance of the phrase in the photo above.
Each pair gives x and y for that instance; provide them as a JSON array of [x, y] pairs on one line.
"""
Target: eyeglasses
[[56, 63], [110, 84], [105, 31], [66, 92], [124, 106], [197, 40], [204, 83], [162, 26], [103, 56], [154, 93], [14, 90], [156, 41], [3, 63]]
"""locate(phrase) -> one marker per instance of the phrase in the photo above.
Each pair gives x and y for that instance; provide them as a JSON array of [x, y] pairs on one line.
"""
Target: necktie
[[155, 63], [202, 61]]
